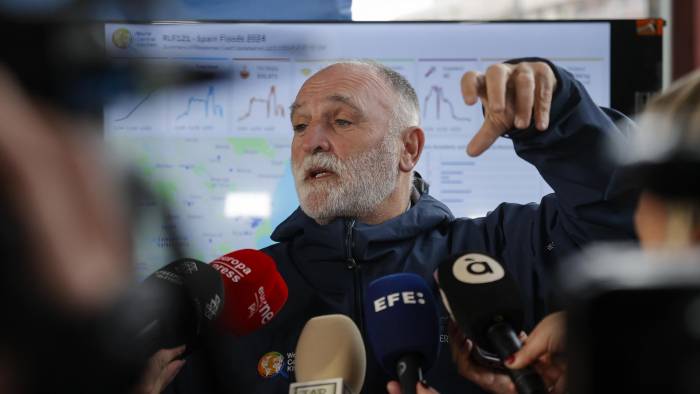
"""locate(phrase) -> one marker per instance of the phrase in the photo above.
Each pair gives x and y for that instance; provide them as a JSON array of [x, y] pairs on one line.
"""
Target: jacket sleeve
[[592, 200]]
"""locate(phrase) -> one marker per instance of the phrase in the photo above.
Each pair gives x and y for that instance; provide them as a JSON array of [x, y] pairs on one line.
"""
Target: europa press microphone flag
[[254, 290]]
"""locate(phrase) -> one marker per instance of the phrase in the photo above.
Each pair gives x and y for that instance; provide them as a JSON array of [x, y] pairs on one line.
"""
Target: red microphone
[[254, 291]]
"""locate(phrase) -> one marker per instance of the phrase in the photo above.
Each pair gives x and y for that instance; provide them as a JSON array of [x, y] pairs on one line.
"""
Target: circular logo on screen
[[476, 268], [121, 38], [270, 364], [245, 73]]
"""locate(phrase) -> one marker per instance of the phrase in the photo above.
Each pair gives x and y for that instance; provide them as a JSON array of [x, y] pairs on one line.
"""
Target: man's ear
[[413, 140]]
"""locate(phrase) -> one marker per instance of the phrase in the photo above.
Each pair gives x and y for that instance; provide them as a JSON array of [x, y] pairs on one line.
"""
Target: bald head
[[391, 88]]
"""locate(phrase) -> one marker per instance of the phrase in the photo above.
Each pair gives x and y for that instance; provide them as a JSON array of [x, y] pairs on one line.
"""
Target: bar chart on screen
[[202, 108], [262, 95], [442, 108]]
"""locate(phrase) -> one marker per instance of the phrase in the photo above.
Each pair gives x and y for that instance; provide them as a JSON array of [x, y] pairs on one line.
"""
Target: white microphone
[[330, 357]]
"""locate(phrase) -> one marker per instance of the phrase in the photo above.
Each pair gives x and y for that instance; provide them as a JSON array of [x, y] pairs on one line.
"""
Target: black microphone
[[402, 327], [484, 301], [169, 308], [237, 293]]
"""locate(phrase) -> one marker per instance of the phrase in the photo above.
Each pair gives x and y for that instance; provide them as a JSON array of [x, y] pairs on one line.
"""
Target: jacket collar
[[314, 242]]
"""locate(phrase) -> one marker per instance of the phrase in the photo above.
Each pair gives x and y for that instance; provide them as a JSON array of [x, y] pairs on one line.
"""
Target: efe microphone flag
[[402, 326]]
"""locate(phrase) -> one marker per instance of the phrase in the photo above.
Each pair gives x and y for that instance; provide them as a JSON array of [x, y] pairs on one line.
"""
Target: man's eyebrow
[[292, 108], [347, 100], [339, 98]]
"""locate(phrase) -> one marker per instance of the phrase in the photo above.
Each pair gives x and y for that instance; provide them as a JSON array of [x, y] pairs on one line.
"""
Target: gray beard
[[363, 182]]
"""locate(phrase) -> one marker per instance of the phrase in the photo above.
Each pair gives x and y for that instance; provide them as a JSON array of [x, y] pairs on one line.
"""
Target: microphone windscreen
[[401, 319], [478, 292], [331, 347], [170, 308], [204, 286], [254, 290]]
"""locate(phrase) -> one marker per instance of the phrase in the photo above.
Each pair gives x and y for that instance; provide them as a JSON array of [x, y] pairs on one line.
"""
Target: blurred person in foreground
[[665, 158], [64, 234]]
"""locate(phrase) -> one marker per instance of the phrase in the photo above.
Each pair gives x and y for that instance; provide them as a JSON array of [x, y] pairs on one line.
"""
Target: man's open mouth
[[318, 173]]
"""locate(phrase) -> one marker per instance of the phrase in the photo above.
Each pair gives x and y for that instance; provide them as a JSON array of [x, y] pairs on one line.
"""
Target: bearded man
[[365, 213]]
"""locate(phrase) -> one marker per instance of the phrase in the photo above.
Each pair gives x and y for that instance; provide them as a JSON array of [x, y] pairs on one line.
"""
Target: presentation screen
[[218, 152]]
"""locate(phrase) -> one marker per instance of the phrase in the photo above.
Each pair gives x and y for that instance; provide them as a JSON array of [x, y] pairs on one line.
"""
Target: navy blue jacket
[[328, 268]]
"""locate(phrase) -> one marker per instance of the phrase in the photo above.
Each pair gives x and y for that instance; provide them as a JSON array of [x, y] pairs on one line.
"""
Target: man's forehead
[[344, 84], [339, 98], [362, 73]]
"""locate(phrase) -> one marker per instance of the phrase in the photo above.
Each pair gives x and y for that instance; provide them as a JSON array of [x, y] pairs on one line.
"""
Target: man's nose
[[316, 139]]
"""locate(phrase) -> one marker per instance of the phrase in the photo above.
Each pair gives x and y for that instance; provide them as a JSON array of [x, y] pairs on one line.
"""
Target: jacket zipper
[[357, 278]]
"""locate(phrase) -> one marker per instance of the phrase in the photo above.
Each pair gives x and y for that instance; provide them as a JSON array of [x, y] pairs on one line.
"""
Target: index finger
[[167, 355], [534, 348], [472, 84], [484, 138]]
